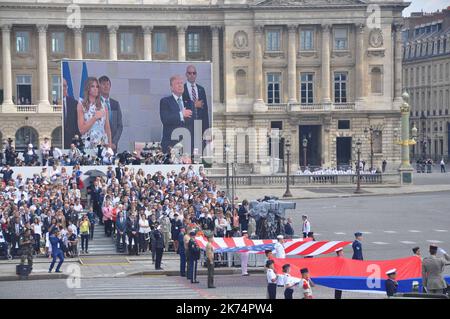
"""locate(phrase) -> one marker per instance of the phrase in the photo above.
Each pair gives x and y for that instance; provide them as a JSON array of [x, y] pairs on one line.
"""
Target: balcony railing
[[312, 107], [27, 108], [57, 108]]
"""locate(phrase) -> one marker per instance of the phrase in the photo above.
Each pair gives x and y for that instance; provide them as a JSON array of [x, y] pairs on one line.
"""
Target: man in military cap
[[306, 284], [186, 240], [210, 260], [26, 245], [432, 269], [159, 246], [194, 256], [391, 283], [357, 247]]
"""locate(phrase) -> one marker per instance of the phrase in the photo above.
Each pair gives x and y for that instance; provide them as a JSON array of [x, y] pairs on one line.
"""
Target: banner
[[292, 247], [356, 275]]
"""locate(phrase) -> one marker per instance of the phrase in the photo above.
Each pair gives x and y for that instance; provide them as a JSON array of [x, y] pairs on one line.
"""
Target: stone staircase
[[101, 245]]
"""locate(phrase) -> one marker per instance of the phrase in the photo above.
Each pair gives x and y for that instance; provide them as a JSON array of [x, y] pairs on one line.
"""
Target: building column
[[113, 41], [259, 105], [441, 48], [398, 63], [216, 63], [147, 29], [360, 63], [78, 42], [326, 30], [181, 30], [43, 70], [292, 64], [6, 66], [447, 49]]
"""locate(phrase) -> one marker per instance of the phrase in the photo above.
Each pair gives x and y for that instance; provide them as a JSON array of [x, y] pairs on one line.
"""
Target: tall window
[[56, 89], [340, 87], [160, 42], [58, 42], [22, 41], [23, 89], [273, 40], [273, 88], [127, 42], [307, 40], [376, 80], [92, 42], [340, 39], [193, 42], [307, 88]]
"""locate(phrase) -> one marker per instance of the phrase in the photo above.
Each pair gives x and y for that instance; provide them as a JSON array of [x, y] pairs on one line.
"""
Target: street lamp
[[288, 156], [227, 151], [305, 148], [414, 137], [358, 173]]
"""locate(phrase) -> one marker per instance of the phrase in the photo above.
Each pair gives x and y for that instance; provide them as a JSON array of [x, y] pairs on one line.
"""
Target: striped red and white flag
[[292, 247]]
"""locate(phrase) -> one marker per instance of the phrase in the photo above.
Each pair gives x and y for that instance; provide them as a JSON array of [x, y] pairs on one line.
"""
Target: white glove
[[442, 251]]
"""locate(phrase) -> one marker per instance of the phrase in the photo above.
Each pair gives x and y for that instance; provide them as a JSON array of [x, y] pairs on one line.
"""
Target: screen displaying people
[[122, 103]]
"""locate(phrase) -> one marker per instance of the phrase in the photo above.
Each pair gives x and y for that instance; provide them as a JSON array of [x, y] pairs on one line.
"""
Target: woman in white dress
[[93, 117]]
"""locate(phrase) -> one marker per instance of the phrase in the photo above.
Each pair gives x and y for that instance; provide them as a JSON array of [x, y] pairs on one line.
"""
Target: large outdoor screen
[[123, 103]]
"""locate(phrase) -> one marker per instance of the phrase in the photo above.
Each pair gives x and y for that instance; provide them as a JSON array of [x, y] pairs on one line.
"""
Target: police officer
[[432, 269], [182, 252], [26, 244], [391, 283], [194, 256], [357, 247], [210, 260]]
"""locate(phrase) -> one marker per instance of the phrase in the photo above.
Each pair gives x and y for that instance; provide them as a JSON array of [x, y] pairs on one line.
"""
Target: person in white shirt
[[244, 256], [279, 248], [45, 150], [306, 284], [144, 231], [271, 280], [37, 231], [289, 282], [306, 228]]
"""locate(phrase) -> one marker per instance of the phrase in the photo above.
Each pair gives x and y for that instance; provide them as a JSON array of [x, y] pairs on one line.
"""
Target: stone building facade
[[321, 71], [426, 77]]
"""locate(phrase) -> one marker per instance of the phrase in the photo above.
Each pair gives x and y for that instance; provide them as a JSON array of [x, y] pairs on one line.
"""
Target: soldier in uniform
[[289, 282], [210, 260], [391, 283], [26, 244], [159, 246], [182, 252], [357, 247], [166, 227], [432, 269], [186, 239], [194, 256]]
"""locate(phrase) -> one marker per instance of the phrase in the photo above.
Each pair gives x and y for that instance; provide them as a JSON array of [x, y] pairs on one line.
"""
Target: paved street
[[156, 287]]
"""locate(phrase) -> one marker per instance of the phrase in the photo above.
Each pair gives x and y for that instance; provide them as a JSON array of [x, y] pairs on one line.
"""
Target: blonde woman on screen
[[93, 117]]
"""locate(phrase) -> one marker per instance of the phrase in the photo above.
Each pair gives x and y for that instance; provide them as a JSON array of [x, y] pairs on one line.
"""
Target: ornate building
[[322, 72], [426, 77]]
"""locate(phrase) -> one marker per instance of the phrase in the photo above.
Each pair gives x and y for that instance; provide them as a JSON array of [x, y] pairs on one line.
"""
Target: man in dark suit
[[69, 117], [115, 113], [175, 113], [196, 94], [132, 233]]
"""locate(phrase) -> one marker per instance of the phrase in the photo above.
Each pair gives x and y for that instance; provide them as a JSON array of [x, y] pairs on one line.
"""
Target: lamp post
[[305, 149], [358, 171], [405, 168], [414, 137], [288, 156], [227, 151]]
